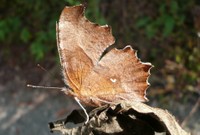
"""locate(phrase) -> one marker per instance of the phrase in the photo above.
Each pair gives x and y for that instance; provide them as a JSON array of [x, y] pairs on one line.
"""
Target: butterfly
[[95, 80]]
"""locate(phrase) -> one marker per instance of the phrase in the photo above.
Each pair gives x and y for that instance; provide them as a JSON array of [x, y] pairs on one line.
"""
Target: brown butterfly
[[118, 75]]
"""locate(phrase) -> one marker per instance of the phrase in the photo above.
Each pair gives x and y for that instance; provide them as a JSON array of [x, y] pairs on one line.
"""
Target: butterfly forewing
[[80, 44]]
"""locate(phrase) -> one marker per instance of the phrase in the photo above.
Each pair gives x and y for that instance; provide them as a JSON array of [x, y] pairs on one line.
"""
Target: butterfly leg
[[86, 114]]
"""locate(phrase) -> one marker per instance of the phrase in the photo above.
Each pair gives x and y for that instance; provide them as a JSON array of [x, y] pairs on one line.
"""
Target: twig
[[194, 109]]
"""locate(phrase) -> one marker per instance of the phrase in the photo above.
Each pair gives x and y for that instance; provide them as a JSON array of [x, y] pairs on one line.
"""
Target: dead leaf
[[125, 118]]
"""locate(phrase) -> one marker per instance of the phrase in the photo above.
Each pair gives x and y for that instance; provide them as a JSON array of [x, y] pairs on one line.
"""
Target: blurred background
[[165, 33]]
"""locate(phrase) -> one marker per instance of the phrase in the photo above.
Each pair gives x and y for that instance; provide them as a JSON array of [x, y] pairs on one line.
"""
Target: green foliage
[[169, 27], [25, 35], [8, 26], [32, 26], [4, 30], [169, 17], [93, 12]]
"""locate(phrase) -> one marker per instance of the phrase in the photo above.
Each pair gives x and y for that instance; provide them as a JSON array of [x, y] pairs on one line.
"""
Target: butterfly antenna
[[49, 73], [41, 67], [86, 114], [44, 87], [44, 69]]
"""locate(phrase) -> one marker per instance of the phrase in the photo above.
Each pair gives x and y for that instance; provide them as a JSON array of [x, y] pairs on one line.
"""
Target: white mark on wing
[[113, 80]]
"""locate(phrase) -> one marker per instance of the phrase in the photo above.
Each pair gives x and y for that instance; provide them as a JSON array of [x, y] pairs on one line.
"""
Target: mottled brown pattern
[[119, 75]]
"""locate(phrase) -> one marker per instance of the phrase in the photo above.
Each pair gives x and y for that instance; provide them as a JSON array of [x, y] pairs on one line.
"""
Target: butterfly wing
[[123, 68], [80, 44], [118, 75], [121, 76]]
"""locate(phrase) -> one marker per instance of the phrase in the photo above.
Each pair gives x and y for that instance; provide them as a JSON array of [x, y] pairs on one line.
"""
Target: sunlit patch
[[198, 34]]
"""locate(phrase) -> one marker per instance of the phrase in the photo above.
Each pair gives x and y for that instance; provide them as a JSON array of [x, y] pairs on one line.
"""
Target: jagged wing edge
[[103, 26], [144, 63]]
